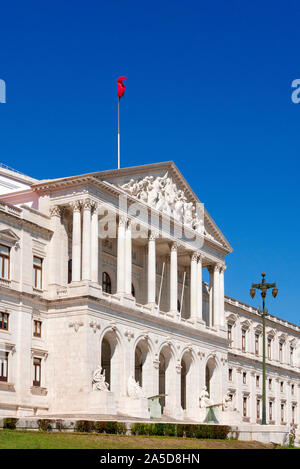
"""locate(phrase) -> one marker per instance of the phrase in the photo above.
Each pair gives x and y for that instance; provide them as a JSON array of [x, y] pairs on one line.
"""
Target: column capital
[[94, 207], [174, 246], [200, 256], [194, 256], [87, 204], [153, 235], [123, 220], [56, 211], [76, 205]]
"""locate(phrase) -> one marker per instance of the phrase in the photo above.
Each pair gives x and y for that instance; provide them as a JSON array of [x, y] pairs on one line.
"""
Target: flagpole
[[118, 132]]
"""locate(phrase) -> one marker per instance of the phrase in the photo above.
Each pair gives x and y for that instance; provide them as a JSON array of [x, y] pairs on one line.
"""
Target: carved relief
[[162, 194]]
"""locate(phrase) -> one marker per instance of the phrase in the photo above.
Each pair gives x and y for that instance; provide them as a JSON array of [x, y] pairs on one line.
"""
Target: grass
[[17, 439]]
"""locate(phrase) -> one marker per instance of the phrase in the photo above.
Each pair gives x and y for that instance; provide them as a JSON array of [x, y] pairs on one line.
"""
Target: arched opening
[[187, 398], [132, 290], [143, 367], [212, 381], [110, 361], [166, 377], [106, 282]]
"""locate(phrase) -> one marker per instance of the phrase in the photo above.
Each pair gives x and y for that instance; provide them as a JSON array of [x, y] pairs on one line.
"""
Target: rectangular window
[[244, 377], [281, 386], [244, 406], [257, 381], [4, 261], [4, 321], [269, 348], [229, 333], [243, 340], [37, 272], [280, 351], [293, 413], [291, 355], [293, 389], [282, 413], [37, 372], [37, 328], [230, 374], [3, 366], [258, 408], [270, 411], [256, 344], [270, 384]]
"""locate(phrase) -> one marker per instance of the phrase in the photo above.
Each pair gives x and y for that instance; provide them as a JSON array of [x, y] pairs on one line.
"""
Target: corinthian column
[[55, 246], [94, 245], [152, 268], [222, 299], [193, 286], [76, 241], [173, 279], [128, 258], [86, 240], [216, 296], [199, 289], [121, 255]]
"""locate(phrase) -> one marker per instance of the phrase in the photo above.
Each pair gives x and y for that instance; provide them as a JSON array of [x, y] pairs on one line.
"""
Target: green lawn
[[17, 439]]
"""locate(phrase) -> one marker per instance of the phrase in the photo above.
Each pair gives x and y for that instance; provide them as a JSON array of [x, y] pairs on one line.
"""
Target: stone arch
[[167, 377], [187, 382], [111, 359], [113, 276], [213, 380], [143, 365]]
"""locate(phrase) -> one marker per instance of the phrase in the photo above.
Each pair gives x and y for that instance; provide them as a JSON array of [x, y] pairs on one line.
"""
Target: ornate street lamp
[[264, 287]]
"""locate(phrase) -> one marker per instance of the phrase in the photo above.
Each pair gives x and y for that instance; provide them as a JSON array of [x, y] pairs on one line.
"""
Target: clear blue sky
[[209, 86]]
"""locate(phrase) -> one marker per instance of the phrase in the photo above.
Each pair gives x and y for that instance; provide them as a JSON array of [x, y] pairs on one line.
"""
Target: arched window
[[178, 306], [132, 290], [106, 282]]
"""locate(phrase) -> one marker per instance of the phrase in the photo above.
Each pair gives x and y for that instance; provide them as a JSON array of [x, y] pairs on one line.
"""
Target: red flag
[[121, 86]]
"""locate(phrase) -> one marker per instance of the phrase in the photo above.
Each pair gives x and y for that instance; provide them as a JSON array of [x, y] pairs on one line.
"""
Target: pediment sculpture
[[163, 194], [134, 389], [98, 381], [204, 399]]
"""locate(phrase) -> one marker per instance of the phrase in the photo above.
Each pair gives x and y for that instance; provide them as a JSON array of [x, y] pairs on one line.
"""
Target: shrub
[[170, 429], [179, 430], [159, 429], [219, 432], [44, 425], [59, 425], [10, 423], [121, 428], [140, 428], [84, 426], [189, 431]]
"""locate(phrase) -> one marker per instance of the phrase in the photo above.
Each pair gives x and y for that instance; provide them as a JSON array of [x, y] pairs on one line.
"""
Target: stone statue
[[99, 382], [227, 402], [134, 389], [204, 398]]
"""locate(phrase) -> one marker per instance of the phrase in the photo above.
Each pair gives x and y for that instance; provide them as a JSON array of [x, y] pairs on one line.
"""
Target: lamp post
[[264, 287]]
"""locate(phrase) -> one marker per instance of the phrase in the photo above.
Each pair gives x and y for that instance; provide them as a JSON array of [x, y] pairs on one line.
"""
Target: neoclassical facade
[[112, 291]]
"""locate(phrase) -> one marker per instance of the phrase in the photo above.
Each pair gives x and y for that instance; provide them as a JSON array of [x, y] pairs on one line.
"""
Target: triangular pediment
[[9, 235], [163, 187]]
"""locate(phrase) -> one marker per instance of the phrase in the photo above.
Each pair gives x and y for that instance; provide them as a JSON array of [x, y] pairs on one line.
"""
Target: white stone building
[[105, 270]]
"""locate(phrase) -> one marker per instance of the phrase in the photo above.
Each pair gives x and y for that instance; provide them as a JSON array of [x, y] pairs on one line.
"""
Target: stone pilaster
[[199, 289], [55, 246]]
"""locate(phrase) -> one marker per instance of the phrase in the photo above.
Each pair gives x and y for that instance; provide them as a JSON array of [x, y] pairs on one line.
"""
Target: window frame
[[37, 268], [106, 283], [2, 322], [35, 328], [5, 257], [37, 366], [4, 378]]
